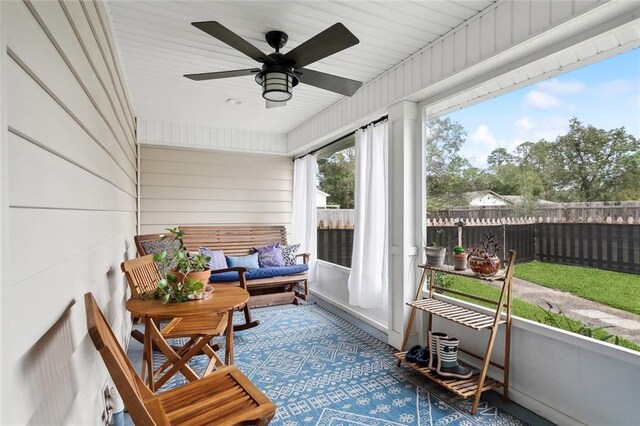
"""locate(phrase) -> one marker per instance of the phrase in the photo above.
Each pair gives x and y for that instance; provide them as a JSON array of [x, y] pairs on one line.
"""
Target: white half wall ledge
[[202, 136], [504, 37]]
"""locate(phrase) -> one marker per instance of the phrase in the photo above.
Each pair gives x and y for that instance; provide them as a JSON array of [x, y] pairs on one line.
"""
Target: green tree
[[446, 180], [337, 177], [500, 157], [590, 164]]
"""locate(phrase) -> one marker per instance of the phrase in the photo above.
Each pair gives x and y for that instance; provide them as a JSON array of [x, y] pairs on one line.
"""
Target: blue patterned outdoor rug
[[322, 370]]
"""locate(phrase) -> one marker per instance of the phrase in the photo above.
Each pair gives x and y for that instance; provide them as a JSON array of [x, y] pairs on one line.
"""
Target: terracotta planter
[[202, 276], [460, 261], [435, 255], [484, 266]]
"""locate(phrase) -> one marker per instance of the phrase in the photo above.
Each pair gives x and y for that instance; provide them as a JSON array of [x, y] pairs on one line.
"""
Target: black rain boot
[[413, 353], [433, 360], [448, 359]]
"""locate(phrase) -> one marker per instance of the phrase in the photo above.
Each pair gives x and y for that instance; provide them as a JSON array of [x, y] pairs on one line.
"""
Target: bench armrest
[[305, 257], [240, 270]]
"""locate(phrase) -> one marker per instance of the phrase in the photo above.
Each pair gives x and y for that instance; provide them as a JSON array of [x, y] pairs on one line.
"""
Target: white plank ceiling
[[158, 45]]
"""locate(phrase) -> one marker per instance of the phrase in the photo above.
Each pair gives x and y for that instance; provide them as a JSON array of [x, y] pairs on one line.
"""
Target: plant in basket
[[188, 280], [483, 260]]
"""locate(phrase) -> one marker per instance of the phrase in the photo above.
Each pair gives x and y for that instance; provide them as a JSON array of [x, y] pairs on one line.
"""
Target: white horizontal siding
[[69, 204], [180, 187], [486, 45], [202, 136]]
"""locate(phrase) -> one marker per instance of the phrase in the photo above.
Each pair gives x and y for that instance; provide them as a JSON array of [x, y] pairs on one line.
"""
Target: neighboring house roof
[[321, 192], [477, 194], [510, 199]]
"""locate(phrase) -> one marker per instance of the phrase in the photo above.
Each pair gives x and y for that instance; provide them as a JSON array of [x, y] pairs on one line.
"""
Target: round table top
[[223, 298]]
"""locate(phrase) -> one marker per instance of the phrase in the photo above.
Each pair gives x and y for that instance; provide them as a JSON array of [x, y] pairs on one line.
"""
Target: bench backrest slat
[[236, 240]]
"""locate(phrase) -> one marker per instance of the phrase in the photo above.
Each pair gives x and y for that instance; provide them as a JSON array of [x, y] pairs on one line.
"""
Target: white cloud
[[614, 87], [482, 135], [523, 124], [562, 87], [528, 130], [541, 100]]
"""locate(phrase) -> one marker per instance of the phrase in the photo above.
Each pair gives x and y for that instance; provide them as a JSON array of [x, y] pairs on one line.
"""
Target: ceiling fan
[[281, 72]]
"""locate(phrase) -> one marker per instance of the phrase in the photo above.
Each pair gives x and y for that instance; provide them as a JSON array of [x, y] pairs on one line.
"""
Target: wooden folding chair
[[225, 397], [142, 275], [248, 321]]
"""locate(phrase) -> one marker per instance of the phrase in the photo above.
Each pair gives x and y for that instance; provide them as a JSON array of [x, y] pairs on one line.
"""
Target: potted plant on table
[[188, 279], [460, 258], [435, 254], [483, 260]]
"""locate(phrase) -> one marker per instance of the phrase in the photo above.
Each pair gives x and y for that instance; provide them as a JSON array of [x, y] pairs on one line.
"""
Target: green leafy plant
[[489, 247], [170, 288], [560, 320], [185, 262], [443, 280]]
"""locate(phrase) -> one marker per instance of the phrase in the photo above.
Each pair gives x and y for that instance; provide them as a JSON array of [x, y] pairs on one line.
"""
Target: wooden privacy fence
[[597, 243], [602, 243], [335, 246]]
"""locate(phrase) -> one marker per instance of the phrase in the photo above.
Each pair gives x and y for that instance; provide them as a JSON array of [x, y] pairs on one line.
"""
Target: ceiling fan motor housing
[[277, 80]]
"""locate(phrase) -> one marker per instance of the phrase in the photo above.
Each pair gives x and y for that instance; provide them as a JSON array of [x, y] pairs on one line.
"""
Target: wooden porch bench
[[240, 240]]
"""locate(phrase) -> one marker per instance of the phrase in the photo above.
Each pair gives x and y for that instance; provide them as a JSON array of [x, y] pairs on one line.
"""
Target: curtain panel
[[305, 216], [368, 281]]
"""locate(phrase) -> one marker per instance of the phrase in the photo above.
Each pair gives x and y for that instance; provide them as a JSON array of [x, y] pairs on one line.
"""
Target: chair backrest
[[129, 385], [236, 240], [142, 274]]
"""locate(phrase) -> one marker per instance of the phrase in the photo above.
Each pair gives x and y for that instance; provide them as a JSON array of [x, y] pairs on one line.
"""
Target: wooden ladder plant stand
[[478, 382]]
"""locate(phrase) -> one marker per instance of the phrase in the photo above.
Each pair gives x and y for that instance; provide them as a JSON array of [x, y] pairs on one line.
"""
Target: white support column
[[4, 213], [406, 200]]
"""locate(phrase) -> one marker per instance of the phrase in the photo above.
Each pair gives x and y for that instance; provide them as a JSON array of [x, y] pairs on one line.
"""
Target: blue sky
[[605, 94]]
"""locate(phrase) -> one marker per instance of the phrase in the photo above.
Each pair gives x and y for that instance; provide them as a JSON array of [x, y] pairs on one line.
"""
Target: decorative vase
[[435, 255], [202, 276], [484, 266], [460, 261]]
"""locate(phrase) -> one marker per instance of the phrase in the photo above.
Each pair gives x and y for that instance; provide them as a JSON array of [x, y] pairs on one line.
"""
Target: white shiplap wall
[[201, 136], [69, 190], [504, 36], [181, 186]]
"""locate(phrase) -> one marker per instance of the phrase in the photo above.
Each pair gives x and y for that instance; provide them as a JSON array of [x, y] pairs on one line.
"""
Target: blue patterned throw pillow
[[217, 261], [289, 254], [270, 256]]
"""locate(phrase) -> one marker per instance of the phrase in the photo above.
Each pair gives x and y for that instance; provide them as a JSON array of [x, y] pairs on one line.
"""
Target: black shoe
[[423, 358], [412, 354]]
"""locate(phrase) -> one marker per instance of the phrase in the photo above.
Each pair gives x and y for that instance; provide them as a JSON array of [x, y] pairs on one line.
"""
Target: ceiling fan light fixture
[[277, 86]]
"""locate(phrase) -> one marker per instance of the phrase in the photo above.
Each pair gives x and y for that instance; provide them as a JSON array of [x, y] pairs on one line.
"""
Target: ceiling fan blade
[[330, 41], [341, 85], [225, 35], [222, 74], [272, 104]]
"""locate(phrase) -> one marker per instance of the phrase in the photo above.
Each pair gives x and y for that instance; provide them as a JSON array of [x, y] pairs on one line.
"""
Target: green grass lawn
[[520, 308], [614, 289]]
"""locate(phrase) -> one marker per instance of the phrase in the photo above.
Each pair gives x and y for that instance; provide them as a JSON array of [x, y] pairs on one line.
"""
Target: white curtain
[[304, 222], [368, 281]]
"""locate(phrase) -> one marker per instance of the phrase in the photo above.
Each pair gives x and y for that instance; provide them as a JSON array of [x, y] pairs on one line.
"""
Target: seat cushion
[[254, 274]]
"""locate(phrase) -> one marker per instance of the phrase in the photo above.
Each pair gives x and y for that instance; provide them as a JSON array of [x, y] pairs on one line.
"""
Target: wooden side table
[[225, 298]]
